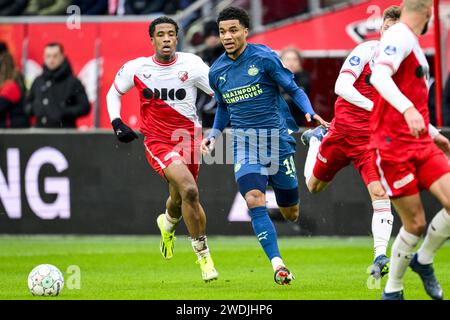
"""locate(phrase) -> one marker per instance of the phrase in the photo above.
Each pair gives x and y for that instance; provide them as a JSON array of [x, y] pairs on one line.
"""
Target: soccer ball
[[45, 280]]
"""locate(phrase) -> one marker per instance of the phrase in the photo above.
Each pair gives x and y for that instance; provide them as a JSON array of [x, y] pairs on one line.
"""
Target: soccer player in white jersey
[[406, 157], [167, 83], [348, 138]]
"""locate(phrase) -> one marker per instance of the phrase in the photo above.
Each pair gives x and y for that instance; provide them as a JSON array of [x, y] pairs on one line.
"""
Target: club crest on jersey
[[390, 50], [183, 75], [354, 61], [253, 70]]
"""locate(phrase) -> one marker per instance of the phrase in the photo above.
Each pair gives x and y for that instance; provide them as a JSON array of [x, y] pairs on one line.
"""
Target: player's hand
[[318, 119], [415, 121], [443, 143], [123, 132], [208, 145]]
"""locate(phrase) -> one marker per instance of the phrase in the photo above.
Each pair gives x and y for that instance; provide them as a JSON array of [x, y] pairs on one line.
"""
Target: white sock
[[382, 221], [401, 254], [314, 145], [170, 222], [438, 232], [276, 262], [200, 247]]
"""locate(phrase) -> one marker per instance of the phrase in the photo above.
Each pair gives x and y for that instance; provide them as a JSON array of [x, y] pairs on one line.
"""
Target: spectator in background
[[57, 98], [207, 105], [292, 60], [445, 103], [116, 7], [144, 6], [432, 101], [89, 7], [214, 48], [12, 91], [12, 8], [47, 7]]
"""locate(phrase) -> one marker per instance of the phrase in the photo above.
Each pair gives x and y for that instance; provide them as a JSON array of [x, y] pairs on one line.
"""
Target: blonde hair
[[417, 5]]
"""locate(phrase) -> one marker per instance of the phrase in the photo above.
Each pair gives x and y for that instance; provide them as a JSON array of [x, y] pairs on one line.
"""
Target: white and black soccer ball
[[45, 280]]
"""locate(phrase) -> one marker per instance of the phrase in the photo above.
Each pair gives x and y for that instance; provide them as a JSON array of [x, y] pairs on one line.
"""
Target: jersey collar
[[165, 64]]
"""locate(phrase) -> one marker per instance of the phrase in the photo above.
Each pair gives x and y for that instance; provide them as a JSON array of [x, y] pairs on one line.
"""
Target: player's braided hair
[[160, 20], [233, 13]]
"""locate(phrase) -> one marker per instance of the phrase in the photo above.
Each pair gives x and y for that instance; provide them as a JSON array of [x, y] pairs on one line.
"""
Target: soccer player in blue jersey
[[246, 81]]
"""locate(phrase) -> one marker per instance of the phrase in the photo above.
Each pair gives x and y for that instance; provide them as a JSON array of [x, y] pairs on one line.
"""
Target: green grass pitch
[[122, 267]]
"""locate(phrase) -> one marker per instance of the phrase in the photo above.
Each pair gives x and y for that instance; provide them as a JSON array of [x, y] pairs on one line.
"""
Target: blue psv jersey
[[248, 96]]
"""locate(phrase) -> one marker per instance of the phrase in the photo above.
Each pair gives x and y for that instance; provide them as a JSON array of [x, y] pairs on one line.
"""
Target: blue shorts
[[283, 181]]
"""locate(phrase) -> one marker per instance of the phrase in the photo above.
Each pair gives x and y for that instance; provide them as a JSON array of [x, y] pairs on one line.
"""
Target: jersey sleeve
[[222, 117], [201, 76], [285, 79], [395, 45], [124, 80], [217, 95], [356, 60]]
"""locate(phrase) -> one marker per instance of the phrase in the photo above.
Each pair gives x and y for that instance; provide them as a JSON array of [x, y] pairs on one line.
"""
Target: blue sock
[[265, 231]]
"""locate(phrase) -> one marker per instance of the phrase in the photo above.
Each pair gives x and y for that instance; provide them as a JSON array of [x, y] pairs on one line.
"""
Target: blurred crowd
[[56, 98], [88, 7]]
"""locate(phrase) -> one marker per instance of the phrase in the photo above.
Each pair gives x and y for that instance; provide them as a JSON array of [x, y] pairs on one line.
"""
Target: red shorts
[[160, 155], [417, 170], [338, 151]]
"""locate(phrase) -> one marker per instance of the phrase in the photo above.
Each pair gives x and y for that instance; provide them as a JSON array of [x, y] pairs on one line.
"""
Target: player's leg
[[168, 221], [290, 213], [252, 185], [382, 218], [434, 174], [412, 215], [285, 186], [325, 158], [399, 179], [313, 139], [382, 221], [183, 181], [439, 228]]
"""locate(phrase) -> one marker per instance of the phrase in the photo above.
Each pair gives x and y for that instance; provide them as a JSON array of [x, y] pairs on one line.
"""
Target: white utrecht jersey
[[348, 117], [400, 51], [167, 93]]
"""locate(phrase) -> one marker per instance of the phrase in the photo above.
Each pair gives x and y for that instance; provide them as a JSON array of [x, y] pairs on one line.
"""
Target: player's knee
[[174, 203], [190, 194], [254, 198], [416, 226], [314, 187], [446, 204], [377, 191], [291, 214]]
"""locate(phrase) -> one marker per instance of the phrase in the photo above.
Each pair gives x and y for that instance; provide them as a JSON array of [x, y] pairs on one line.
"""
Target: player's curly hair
[[233, 13], [160, 20]]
